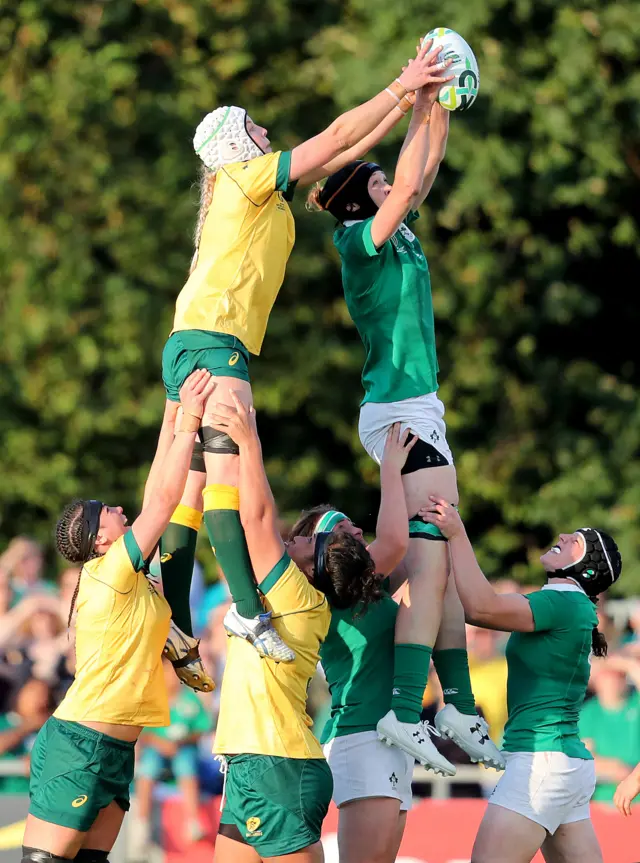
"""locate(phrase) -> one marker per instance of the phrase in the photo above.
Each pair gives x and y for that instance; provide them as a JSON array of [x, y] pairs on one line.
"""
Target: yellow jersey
[[263, 703], [246, 241], [121, 628]]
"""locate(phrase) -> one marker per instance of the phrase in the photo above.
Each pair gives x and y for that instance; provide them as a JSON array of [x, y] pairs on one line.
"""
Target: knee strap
[[419, 529], [37, 855], [218, 442], [422, 455], [197, 458], [91, 855]]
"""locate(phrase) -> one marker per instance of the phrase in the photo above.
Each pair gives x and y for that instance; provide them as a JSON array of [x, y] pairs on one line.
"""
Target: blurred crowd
[[37, 667]]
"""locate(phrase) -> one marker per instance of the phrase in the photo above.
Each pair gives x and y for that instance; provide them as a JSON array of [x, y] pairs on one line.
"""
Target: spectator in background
[[488, 669], [33, 638], [23, 562], [33, 706], [176, 748], [610, 722]]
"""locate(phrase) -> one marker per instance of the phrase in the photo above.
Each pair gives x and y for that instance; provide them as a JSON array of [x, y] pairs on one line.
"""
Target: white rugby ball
[[460, 93]]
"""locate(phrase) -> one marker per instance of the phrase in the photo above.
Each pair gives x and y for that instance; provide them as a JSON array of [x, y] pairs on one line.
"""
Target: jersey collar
[[350, 222], [570, 587]]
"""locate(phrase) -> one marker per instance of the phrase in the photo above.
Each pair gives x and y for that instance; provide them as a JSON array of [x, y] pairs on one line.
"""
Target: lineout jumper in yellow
[[121, 628], [246, 241]]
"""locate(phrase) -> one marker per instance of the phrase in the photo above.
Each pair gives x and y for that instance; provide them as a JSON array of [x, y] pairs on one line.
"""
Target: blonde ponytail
[[207, 185], [313, 198]]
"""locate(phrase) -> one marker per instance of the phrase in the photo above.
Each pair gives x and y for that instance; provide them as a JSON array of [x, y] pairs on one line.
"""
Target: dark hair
[[351, 580], [599, 646], [308, 519], [69, 542]]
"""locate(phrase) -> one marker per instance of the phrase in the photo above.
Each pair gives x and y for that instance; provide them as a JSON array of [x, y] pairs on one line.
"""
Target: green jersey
[[388, 294], [614, 733], [188, 717], [357, 657], [548, 673]]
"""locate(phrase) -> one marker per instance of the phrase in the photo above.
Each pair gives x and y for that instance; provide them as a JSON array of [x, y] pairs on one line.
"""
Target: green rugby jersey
[[548, 673], [357, 657], [388, 294]]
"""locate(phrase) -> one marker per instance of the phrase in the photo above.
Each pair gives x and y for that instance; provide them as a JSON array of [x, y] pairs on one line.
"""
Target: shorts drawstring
[[224, 769]]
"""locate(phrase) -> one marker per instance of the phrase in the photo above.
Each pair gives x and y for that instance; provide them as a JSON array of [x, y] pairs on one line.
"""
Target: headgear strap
[[328, 520], [320, 578], [91, 511]]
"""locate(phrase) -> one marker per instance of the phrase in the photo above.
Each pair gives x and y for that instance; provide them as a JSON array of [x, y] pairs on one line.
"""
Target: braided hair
[[69, 542], [207, 185]]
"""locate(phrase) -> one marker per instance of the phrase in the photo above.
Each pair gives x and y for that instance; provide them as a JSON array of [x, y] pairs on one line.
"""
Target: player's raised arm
[[351, 127]]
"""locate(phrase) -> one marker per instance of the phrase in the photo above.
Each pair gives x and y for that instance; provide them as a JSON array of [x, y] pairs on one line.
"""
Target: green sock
[[222, 518], [177, 556], [411, 672], [452, 667]]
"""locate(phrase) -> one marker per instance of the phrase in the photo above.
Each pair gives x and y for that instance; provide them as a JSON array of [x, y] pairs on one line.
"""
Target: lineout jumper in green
[[388, 294]]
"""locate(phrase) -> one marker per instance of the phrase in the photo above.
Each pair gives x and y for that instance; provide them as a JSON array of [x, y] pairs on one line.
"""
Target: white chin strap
[[222, 138]]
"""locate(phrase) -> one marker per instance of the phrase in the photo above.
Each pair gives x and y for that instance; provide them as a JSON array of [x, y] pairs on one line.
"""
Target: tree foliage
[[531, 232]]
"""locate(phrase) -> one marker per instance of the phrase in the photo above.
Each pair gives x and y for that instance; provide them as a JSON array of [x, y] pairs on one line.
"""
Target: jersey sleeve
[[289, 590], [548, 610], [259, 178], [411, 217], [120, 566], [355, 242]]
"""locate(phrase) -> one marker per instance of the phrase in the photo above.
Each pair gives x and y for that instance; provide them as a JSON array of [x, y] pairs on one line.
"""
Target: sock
[[452, 667], [222, 518], [411, 672], [177, 556]]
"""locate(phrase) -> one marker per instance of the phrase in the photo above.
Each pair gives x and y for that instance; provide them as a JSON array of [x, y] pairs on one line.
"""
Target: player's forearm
[[165, 439], [174, 469], [414, 154], [256, 497], [367, 143], [356, 124], [392, 529], [475, 592]]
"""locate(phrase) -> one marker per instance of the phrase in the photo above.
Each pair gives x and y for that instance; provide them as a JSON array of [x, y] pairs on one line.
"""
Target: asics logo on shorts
[[252, 827], [233, 359], [79, 801], [166, 557]]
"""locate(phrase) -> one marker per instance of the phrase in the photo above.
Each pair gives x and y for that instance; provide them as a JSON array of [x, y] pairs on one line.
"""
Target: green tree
[[531, 233]]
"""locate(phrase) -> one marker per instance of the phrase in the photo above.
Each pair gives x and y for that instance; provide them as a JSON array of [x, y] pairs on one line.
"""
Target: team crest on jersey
[[252, 827]]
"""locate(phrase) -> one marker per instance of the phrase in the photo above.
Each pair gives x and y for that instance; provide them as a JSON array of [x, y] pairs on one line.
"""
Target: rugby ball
[[460, 93]]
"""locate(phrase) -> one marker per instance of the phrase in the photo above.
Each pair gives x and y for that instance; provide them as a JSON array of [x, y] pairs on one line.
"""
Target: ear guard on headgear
[[91, 511], [222, 138], [600, 565]]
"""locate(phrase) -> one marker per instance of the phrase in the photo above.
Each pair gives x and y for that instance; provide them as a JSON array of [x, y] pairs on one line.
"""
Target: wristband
[[397, 89], [190, 423], [404, 105], [391, 93]]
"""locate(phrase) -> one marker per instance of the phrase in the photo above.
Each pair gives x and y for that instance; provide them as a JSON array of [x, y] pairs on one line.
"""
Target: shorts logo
[[233, 359], [252, 827], [166, 557], [435, 437], [79, 801], [393, 779]]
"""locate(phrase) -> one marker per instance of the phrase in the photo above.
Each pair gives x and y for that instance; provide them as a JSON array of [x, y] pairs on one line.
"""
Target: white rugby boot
[[259, 632], [183, 652], [471, 734], [416, 741]]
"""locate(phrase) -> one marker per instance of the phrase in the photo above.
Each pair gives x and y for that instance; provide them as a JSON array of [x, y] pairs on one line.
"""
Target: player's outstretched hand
[[397, 447], [425, 69], [443, 515], [238, 422], [626, 791], [195, 391]]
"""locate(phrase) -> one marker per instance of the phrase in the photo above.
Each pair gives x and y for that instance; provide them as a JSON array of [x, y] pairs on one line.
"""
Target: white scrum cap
[[222, 138]]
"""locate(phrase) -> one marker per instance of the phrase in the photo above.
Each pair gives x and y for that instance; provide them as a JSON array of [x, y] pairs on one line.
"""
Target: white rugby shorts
[[363, 766], [547, 787], [424, 415]]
